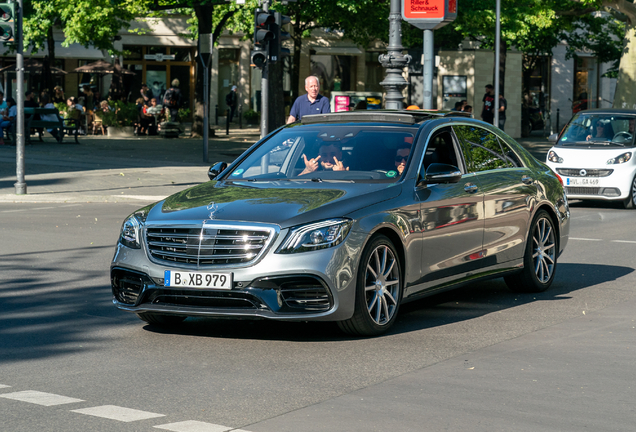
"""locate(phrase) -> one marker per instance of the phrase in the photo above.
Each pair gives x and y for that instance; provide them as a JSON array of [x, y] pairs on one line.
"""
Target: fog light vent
[[611, 192]]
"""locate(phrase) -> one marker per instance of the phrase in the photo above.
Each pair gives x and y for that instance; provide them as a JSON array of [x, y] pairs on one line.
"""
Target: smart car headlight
[[315, 236], [620, 159], [553, 157]]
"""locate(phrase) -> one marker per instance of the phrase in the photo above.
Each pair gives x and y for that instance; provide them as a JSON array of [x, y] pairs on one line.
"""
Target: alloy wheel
[[544, 250], [382, 285]]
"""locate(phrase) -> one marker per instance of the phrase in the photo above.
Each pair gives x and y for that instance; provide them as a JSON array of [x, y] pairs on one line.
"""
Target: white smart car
[[594, 155]]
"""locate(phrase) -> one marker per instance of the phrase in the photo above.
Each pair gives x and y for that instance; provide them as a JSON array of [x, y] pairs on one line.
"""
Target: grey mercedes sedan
[[343, 217]]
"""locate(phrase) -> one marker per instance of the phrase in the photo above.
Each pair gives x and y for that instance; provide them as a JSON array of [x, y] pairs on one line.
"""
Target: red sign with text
[[430, 9]]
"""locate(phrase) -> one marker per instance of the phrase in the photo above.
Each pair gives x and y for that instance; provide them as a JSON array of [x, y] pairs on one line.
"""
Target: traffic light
[[7, 22], [263, 22], [276, 50]]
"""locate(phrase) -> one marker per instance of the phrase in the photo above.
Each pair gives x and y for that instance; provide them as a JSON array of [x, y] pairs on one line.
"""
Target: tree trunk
[[204, 15], [625, 95], [49, 62], [295, 72], [276, 97]]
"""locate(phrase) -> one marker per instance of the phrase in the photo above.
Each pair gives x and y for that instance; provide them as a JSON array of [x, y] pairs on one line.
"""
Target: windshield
[[352, 152], [600, 129]]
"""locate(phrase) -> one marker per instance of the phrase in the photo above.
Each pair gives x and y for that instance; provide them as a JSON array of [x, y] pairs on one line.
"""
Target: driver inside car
[[329, 159]]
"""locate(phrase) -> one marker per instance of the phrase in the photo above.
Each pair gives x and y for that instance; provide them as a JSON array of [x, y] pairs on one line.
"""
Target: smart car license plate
[[198, 280], [582, 182]]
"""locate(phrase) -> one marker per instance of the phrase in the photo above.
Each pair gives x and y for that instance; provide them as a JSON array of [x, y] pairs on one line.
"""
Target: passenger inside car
[[329, 159]]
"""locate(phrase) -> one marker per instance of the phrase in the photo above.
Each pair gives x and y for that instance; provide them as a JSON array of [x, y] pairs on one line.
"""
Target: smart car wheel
[[630, 201], [540, 259], [161, 320], [378, 292]]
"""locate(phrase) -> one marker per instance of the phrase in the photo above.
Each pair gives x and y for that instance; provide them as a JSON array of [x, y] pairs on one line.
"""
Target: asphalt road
[[478, 359]]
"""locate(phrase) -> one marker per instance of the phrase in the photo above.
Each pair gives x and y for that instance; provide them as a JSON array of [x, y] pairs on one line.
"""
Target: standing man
[[487, 113], [503, 106], [311, 103], [172, 100], [231, 100]]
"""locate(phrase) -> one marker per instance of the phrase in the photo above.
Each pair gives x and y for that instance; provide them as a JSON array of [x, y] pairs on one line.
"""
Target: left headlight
[[554, 158], [620, 159], [131, 232], [315, 236]]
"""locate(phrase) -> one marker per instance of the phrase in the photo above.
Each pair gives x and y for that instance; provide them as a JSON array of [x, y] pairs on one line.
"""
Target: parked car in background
[[344, 217], [595, 156]]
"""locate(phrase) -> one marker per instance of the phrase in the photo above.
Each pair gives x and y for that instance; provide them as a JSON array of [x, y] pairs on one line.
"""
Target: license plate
[[582, 182], [198, 280]]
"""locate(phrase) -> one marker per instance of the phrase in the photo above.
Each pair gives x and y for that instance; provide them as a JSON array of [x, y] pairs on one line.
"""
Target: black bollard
[[216, 115], [227, 121], [557, 128], [240, 114]]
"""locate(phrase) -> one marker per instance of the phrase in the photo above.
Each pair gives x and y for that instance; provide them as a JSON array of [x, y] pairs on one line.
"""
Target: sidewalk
[[105, 169], [142, 169]]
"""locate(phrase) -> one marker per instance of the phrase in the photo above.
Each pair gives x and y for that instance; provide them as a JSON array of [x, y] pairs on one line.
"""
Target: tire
[[161, 320], [630, 201], [540, 258], [378, 290]]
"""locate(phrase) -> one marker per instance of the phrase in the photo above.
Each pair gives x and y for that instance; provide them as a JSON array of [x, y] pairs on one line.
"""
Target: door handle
[[470, 187], [527, 179]]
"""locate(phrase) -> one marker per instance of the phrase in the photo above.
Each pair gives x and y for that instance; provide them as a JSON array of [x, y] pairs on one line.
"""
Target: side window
[[440, 149], [510, 156], [483, 148]]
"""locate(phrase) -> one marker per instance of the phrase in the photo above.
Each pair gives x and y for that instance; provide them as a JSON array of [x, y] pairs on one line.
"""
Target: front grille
[[206, 245], [570, 172], [296, 293], [582, 190]]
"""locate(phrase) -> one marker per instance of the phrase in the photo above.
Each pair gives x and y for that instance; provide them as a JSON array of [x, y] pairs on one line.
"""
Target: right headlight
[[554, 158], [315, 236], [130, 234]]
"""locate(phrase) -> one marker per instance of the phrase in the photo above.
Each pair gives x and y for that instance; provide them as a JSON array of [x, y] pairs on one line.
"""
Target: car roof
[[407, 117], [608, 111]]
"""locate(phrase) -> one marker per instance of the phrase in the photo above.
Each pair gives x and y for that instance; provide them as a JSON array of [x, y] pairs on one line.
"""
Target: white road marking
[[585, 239], [117, 413], [40, 398], [4, 386], [195, 426], [624, 241]]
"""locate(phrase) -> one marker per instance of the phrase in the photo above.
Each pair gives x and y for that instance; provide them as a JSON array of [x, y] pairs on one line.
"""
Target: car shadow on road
[[466, 303]]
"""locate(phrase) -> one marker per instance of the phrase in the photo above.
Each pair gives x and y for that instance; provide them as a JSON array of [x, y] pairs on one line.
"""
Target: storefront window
[[375, 72], [335, 72], [585, 83], [182, 54], [133, 52], [156, 50]]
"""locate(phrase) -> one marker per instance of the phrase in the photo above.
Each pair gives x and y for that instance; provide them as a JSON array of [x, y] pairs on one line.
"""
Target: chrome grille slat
[[582, 190], [576, 172], [207, 245]]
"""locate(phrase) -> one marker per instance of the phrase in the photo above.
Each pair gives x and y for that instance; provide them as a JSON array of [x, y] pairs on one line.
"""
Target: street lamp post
[[394, 61]]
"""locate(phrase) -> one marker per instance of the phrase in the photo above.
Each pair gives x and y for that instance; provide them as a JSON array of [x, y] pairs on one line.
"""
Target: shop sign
[[429, 14], [159, 57]]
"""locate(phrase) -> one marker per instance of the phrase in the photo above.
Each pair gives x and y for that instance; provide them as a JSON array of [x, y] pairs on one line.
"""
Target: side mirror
[[441, 173], [216, 169], [553, 138]]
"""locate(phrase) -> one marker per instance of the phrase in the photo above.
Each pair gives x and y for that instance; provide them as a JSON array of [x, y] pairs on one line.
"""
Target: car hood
[[595, 157], [282, 203]]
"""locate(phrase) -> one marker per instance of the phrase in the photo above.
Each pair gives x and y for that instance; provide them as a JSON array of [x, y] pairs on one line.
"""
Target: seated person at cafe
[[149, 116], [329, 159], [8, 120], [46, 103]]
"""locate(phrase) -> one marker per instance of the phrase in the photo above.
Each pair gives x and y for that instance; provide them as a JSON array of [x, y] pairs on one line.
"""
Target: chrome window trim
[[456, 144]]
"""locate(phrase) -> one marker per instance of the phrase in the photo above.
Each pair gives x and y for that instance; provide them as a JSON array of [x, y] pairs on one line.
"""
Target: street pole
[[264, 88], [20, 185], [429, 64], [496, 83], [206, 45], [394, 61]]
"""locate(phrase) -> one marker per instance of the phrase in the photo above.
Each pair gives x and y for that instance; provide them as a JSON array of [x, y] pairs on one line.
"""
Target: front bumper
[[591, 186], [317, 285]]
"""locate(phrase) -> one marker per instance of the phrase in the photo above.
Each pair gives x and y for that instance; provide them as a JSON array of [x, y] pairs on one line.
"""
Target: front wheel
[[378, 290], [540, 258], [630, 201]]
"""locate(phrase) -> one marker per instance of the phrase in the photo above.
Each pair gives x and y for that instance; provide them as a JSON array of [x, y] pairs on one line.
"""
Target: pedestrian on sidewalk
[[231, 100], [487, 113], [503, 106], [311, 103], [172, 100]]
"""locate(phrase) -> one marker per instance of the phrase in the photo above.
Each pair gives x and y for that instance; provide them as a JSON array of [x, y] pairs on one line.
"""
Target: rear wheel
[[161, 320], [378, 290], [630, 201], [540, 259]]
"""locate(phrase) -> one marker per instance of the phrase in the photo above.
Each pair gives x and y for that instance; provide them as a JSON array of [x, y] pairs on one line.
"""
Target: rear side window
[[484, 151]]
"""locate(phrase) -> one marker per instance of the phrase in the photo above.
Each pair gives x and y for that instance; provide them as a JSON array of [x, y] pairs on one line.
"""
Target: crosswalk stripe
[[4, 386], [193, 426], [40, 398], [117, 413]]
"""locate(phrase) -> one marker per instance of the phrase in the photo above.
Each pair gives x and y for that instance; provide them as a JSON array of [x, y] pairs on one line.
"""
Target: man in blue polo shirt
[[311, 103]]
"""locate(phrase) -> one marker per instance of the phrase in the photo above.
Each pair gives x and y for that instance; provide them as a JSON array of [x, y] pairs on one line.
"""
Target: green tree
[[86, 22]]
